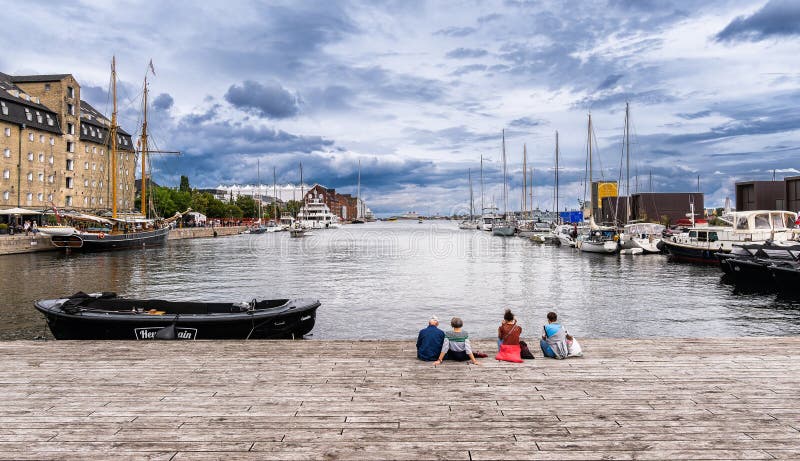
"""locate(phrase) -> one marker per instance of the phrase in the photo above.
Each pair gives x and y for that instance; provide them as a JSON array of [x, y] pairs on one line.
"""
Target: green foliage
[[665, 220], [248, 206], [293, 206], [233, 211], [3, 228], [184, 187]]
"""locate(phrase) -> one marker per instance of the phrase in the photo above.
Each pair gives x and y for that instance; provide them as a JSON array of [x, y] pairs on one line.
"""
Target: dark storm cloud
[[464, 53], [777, 18], [269, 100], [163, 102]]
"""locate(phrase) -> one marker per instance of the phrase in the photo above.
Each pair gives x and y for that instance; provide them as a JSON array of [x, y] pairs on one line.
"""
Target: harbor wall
[[14, 244], [203, 232], [21, 243]]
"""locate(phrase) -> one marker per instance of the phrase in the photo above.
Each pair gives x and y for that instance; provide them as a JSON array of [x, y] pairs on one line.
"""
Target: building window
[[94, 167], [41, 138], [70, 164], [38, 117], [70, 146], [86, 200], [85, 183], [8, 131], [46, 87], [41, 177], [102, 152], [51, 159], [28, 114], [52, 141], [86, 149], [7, 153], [51, 179], [5, 195], [83, 128], [100, 200], [29, 197], [30, 137], [68, 200], [30, 177], [94, 183], [30, 156], [70, 92], [101, 168], [41, 157], [40, 196], [85, 165], [69, 183], [70, 128], [70, 109], [49, 120], [3, 108], [6, 174]]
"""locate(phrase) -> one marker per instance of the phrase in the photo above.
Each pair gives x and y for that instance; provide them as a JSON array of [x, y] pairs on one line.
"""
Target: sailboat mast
[[260, 195], [358, 192], [555, 198], [144, 152], [591, 186], [275, 195], [525, 180], [627, 164], [505, 180], [483, 207], [471, 198], [113, 138]]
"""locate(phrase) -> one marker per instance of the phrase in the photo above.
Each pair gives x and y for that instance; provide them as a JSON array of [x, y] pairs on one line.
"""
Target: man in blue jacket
[[430, 340]]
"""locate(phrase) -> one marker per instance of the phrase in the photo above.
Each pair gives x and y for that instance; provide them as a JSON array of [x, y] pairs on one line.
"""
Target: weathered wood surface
[[627, 399]]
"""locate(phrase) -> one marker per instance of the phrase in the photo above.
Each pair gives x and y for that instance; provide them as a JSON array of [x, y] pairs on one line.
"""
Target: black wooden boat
[[106, 316], [690, 253], [99, 241]]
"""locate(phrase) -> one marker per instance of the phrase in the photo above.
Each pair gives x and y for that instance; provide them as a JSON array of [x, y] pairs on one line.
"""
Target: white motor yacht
[[642, 235], [315, 214]]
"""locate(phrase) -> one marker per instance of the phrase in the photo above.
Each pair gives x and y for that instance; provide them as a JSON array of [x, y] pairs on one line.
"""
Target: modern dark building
[[653, 207], [760, 195], [792, 193]]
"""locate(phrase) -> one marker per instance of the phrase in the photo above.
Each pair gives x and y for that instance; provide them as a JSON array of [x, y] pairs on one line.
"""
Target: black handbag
[[524, 352]]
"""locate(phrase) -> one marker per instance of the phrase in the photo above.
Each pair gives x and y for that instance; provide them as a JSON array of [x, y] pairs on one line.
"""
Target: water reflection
[[383, 280]]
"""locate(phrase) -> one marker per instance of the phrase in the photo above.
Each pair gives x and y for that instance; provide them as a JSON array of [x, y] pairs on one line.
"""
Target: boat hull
[[605, 247], [291, 320], [749, 271], [107, 242], [690, 254]]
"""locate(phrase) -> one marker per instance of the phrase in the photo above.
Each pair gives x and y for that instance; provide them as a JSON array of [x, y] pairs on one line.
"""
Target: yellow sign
[[605, 189]]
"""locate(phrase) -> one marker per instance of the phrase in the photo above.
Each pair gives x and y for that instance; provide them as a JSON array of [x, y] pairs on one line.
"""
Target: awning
[[18, 211]]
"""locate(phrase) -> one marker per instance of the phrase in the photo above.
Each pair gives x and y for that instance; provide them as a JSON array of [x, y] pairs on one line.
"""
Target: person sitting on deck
[[456, 344], [508, 339], [554, 339], [429, 340]]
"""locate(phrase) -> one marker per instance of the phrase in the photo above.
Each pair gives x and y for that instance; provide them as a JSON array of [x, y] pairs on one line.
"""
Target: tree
[[233, 211], [184, 187], [248, 206], [293, 206]]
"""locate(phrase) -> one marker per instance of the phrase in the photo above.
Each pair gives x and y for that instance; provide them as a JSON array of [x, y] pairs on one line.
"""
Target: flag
[[152, 69]]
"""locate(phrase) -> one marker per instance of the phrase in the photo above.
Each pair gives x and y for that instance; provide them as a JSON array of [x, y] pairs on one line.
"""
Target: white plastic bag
[[574, 349]]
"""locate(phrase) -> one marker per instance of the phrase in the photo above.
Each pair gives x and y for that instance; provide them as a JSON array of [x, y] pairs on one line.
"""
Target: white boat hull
[[57, 230], [646, 245], [605, 247]]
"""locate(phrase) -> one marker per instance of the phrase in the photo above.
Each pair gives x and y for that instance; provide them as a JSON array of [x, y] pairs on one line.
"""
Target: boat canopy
[[763, 220], [644, 228]]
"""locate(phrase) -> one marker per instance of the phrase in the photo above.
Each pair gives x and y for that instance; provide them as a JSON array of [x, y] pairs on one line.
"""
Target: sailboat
[[636, 237], [273, 225], [258, 227], [297, 229], [359, 218], [489, 215], [600, 239], [470, 223], [118, 232], [504, 228]]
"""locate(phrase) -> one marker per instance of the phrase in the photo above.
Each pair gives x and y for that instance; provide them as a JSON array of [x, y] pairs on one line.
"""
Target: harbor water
[[384, 280]]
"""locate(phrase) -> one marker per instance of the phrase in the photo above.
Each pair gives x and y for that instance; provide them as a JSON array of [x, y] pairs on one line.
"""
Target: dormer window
[[28, 114], [49, 120], [3, 108], [38, 117]]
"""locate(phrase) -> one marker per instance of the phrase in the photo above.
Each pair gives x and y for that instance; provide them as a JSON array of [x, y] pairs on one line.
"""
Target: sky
[[419, 91]]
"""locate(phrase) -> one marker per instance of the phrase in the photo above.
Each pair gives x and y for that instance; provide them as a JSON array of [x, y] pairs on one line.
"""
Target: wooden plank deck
[[627, 399]]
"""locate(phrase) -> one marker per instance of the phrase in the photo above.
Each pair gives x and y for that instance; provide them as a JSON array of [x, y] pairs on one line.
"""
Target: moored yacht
[[642, 235], [701, 244], [315, 214]]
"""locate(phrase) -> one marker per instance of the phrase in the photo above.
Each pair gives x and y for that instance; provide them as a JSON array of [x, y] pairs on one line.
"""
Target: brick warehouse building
[[344, 206], [54, 147]]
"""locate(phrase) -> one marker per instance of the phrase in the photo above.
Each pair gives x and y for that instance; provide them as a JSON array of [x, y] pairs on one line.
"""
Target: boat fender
[[101, 235]]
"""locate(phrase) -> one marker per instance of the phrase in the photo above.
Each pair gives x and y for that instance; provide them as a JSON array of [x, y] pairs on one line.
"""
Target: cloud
[[489, 18], [163, 102], [469, 69], [525, 122], [456, 31], [463, 53], [694, 115], [269, 100], [609, 82], [777, 18]]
